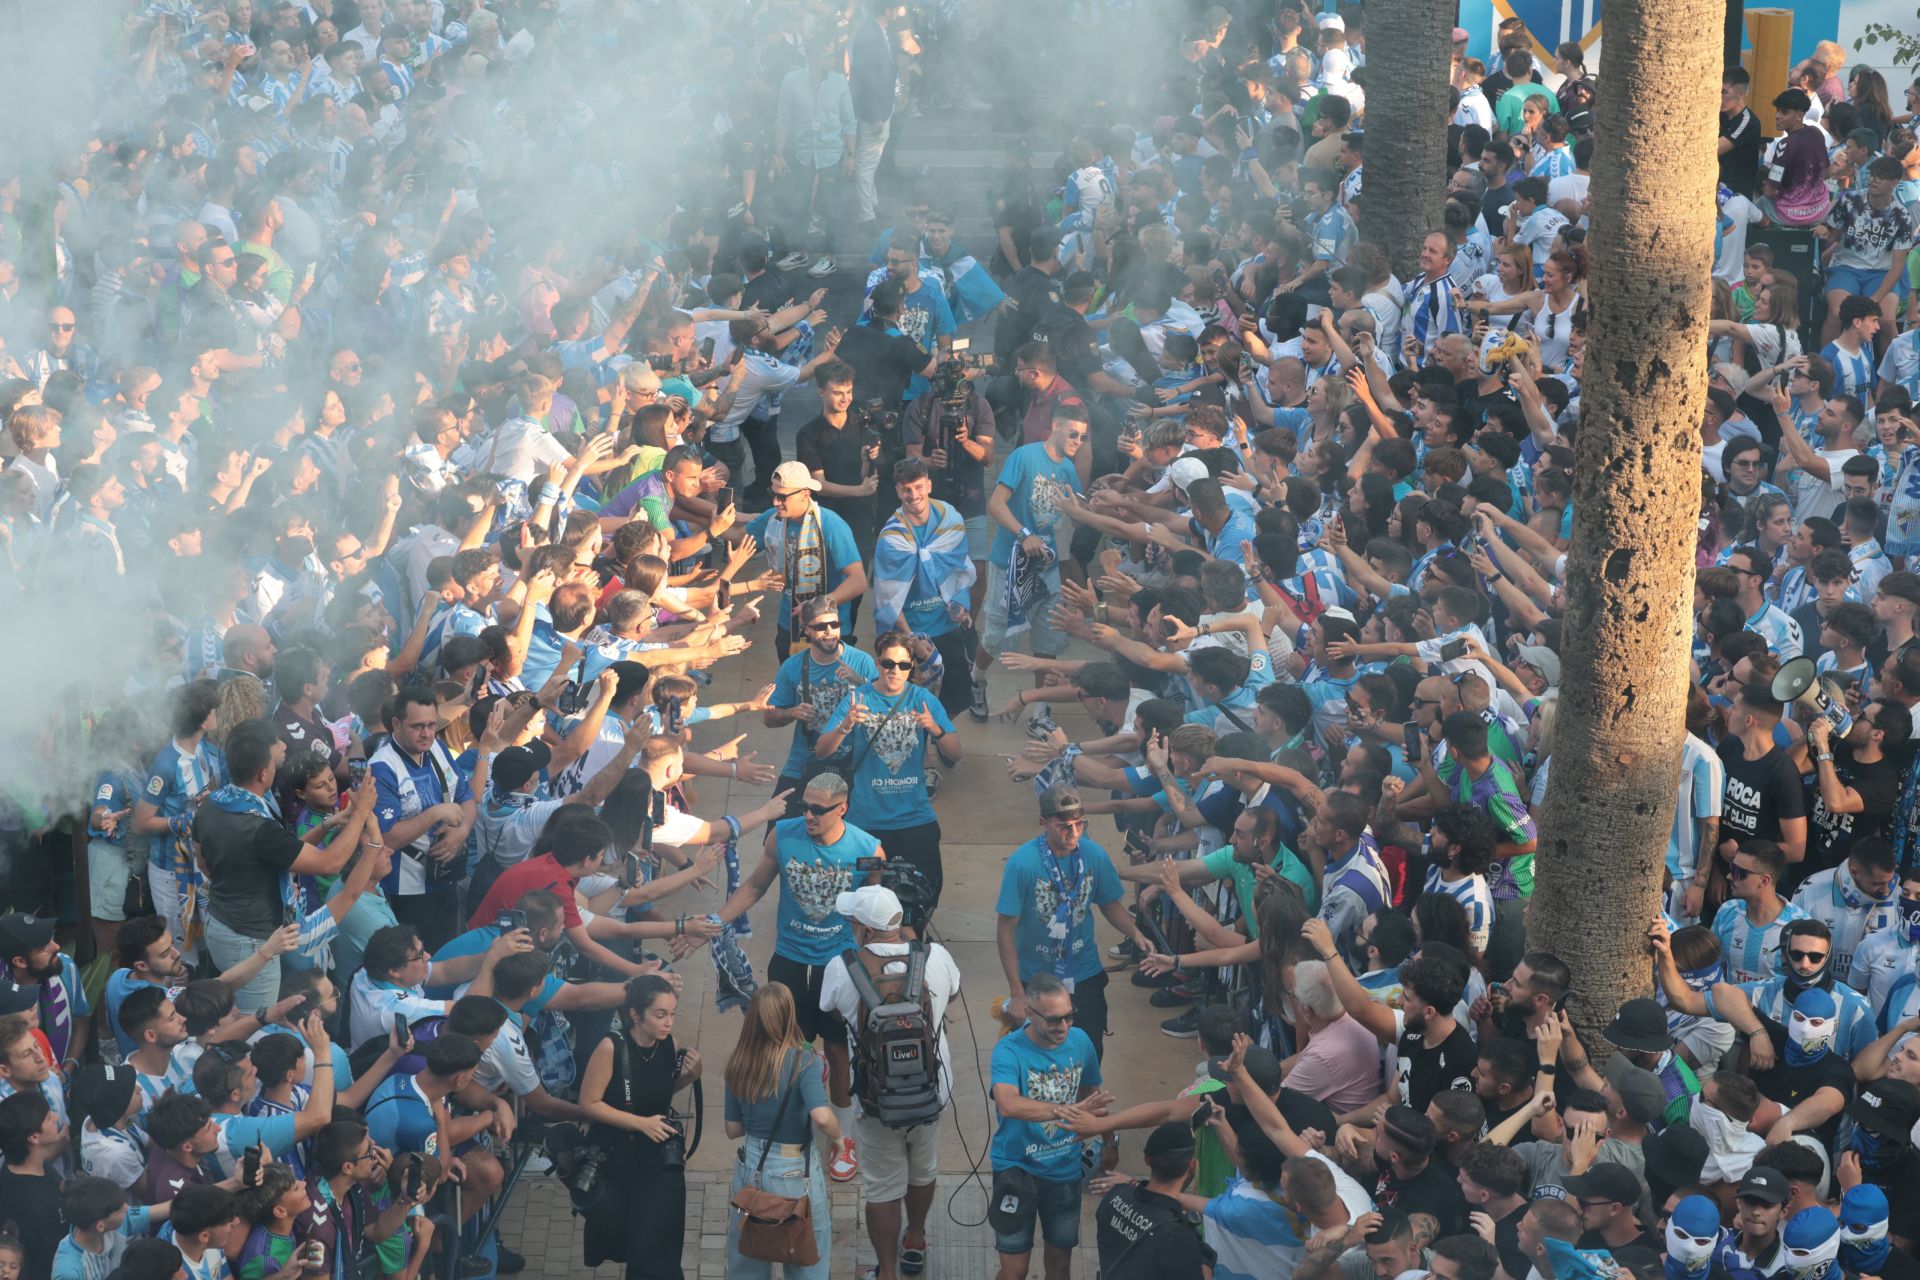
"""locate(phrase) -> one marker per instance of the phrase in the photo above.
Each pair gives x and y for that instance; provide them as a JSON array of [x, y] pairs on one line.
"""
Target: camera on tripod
[[909, 884], [949, 381]]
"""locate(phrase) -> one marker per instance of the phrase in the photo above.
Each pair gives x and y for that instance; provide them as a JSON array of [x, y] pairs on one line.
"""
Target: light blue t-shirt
[[889, 789], [812, 878], [71, 1262], [1037, 488], [1030, 889], [801, 677], [1240, 702], [399, 1118], [836, 540], [237, 1133], [1044, 1150]]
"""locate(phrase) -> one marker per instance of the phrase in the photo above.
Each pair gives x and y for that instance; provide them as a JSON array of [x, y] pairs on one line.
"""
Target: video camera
[[876, 422], [950, 379], [909, 884]]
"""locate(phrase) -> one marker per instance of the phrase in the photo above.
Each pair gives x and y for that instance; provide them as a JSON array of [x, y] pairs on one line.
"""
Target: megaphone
[[1798, 682]]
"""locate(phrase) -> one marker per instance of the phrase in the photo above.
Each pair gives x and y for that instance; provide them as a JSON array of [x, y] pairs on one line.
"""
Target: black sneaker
[[1186, 1026], [509, 1263], [474, 1266], [1123, 950], [1141, 978], [1171, 998]]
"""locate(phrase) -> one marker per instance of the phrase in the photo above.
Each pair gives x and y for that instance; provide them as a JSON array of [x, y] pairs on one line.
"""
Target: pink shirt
[[1340, 1066]]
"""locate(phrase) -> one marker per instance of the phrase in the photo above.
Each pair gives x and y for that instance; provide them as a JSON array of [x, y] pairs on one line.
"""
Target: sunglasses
[[822, 810], [888, 664], [782, 497], [824, 626], [1055, 1020], [1807, 957], [59, 326], [1738, 872]]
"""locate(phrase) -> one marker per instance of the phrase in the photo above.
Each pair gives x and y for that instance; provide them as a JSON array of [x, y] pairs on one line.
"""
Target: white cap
[[1182, 472], [1331, 22], [794, 475], [872, 905]]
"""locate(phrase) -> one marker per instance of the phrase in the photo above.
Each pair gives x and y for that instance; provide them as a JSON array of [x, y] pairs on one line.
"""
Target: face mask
[[1864, 1246], [1691, 1252], [1808, 1039], [1812, 1263]]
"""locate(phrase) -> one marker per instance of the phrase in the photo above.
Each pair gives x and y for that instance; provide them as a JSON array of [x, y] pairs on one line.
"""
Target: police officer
[[1143, 1230]]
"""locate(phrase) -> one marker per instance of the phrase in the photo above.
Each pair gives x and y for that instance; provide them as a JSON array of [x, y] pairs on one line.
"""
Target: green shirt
[[1506, 112], [1214, 1168], [1221, 865]]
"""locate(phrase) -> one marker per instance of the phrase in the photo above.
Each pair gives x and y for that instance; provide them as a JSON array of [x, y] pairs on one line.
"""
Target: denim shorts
[[1057, 1205], [1858, 280]]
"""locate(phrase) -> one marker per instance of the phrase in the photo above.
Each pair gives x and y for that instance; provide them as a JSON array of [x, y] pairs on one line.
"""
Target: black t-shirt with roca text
[[1759, 793]]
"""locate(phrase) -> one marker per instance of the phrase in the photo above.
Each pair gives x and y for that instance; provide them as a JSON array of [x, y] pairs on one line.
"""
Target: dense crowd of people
[[417, 497]]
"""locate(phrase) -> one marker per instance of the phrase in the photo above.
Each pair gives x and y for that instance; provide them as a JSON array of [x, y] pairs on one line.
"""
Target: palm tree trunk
[[1616, 748], [1409, 57]]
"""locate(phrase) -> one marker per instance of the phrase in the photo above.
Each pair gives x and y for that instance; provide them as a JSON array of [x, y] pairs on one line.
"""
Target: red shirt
[[1037, 423], [543, 872]]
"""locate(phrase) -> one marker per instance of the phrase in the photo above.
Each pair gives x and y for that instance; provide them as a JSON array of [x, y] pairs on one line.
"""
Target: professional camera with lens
[[909, 884], [949, 381]]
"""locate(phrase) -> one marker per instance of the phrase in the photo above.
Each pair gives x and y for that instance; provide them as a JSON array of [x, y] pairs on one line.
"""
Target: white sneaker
[[824, 267], [793, 261]]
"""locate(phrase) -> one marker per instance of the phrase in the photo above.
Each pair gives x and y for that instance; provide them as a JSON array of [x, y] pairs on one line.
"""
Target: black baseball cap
[[1171, 1137], [21, 933], [1606, 1181], [512, 767], [1769, 1186], [1641, 1025], [1888, 1107]]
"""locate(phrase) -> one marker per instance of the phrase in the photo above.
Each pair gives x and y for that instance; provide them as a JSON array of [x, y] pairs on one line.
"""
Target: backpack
[[896, 1060]]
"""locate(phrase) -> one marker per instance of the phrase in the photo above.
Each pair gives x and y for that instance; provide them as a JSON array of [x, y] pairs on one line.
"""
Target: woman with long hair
[[1772, 337], [777, 1102], [627, 1094], [1549, 309], [1869, 97]]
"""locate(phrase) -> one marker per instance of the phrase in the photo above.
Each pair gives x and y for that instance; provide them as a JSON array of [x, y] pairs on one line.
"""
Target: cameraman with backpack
[[901, 1078]]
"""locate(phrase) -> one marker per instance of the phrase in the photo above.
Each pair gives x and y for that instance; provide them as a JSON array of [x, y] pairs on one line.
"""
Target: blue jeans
[[784, 1176], [1057, 1206], [229, 949]]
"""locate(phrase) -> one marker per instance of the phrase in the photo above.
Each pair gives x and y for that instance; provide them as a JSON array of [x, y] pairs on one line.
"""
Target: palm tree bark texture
[[1629, 576], [1409, 60]]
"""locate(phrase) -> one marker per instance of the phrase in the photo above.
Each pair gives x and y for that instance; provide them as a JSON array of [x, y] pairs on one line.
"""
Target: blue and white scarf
[[1027, 588], [900, 556]]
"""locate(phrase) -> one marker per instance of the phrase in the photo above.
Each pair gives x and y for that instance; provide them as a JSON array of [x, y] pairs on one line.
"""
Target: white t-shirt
[[1568, 186], [113, 1155], [837, 995], [520, 450], [507, 1062]]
